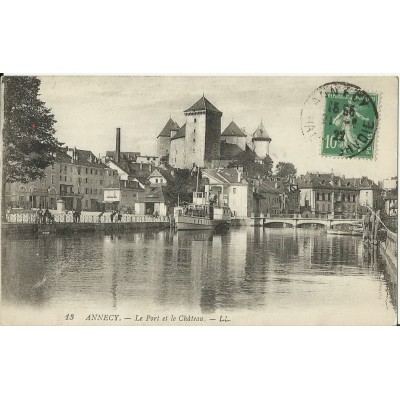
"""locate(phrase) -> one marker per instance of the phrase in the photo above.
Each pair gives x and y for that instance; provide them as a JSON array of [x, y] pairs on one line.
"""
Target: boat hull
[[344, 233], [198, 223]]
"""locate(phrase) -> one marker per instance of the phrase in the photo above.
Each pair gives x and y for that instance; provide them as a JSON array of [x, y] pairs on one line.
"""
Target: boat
[[201, 216], [354, 230]]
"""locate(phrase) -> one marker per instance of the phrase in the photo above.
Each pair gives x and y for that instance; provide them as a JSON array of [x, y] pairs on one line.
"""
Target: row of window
[[81, 170], [328, 207], [343, 197]]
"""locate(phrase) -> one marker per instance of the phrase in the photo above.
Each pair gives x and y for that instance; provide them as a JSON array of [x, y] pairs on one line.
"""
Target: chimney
[[118, 145]]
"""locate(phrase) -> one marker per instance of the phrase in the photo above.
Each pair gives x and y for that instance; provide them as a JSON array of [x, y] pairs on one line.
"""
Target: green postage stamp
[[350, 124]]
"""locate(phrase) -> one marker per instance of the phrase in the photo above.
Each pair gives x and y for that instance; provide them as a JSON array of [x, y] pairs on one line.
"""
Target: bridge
[[298, 221]]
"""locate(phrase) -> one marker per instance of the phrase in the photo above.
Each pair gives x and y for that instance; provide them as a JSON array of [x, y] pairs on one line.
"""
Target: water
[[253, 275]]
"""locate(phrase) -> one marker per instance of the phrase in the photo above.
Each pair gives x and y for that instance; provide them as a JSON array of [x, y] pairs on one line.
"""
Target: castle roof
[[230, 151], [171, 125], [261, 133], [233, 130], [203, 105], [181, 133]]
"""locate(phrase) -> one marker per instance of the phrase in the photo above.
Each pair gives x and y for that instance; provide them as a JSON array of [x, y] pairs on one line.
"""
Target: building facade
[[77, 178]]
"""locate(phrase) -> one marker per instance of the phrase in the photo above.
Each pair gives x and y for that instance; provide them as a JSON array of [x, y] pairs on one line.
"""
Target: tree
[[252, 167], [182, 187], [29, 144], [285, 169]]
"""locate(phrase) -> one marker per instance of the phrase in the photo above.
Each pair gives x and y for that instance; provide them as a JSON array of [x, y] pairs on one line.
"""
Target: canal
[[253, 275]]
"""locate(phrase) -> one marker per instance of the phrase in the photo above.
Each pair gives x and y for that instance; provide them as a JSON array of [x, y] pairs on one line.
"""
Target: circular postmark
[[344, 118]]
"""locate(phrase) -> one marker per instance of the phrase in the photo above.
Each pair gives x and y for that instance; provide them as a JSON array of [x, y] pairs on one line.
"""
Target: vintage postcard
[[199, 200]]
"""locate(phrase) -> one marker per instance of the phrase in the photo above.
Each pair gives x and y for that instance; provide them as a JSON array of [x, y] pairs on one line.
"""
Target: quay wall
[[13, 228], [388, 249]]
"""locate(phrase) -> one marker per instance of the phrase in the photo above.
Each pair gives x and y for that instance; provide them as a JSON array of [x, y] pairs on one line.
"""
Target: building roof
[[171, 125], [82, 157], [203, 105], [181, 133], [233, 130], [163, 173], [223, 175], [153, 194], [261, 133], [326, 181], [129, 155]]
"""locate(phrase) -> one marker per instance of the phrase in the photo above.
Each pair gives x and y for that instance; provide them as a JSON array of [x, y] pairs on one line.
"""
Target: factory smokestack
[[118, 145]]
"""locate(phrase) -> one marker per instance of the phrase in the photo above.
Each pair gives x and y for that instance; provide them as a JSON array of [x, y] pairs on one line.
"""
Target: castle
[[199, 141]]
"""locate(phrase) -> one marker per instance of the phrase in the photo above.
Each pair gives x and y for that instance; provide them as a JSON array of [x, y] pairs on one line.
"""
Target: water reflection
[[242, 269]]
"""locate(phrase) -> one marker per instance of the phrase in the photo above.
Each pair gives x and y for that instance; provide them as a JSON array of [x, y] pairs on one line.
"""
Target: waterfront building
[[123, 197], [152, 201], [267, 199], [77, 177], [328, 194], [227, 187]]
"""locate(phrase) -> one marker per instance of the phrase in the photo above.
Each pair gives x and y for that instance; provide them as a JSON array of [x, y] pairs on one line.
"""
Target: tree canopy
[[183, 186], [285, 169], [251, 167], [29, 144]]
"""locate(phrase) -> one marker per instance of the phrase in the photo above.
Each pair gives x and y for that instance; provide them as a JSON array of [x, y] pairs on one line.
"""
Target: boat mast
[[197, 184]]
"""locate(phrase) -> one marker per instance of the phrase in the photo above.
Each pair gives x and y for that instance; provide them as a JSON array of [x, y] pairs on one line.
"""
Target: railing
[[68, 218]]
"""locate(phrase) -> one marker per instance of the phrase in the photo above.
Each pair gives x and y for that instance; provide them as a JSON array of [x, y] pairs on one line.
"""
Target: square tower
[[203, 133]]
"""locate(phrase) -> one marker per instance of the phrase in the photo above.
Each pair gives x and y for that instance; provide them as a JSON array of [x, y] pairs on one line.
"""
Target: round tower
[[261, 141]]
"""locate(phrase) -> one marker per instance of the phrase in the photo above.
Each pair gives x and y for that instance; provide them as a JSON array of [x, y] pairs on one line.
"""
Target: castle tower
[[203, 132], [164, 140], [260, 141]]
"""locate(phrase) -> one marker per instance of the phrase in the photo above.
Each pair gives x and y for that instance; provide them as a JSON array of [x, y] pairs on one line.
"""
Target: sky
[[89, 109]]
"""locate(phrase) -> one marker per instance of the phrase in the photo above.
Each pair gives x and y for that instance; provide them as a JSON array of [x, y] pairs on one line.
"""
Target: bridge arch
[[313, 222], [279, 221]]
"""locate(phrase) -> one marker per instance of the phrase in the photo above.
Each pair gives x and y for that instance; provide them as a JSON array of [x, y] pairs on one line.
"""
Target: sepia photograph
[[199, 200]]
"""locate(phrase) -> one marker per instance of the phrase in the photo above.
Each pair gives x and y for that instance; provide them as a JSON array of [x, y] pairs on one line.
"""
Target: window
[[79, 170], [354, 197], [52, 179], [86, 170], [348, 197], [101, 182], [323, 196], [65, 168], [95, 191], [86, 180], [343, 197], [329, 196], [91, 171], [65, 178], [194, 130], [194, 140], [86, 190], [234, 190], [317, 196], [95, 171], [86, 203], [156, 180], [53, 166]]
